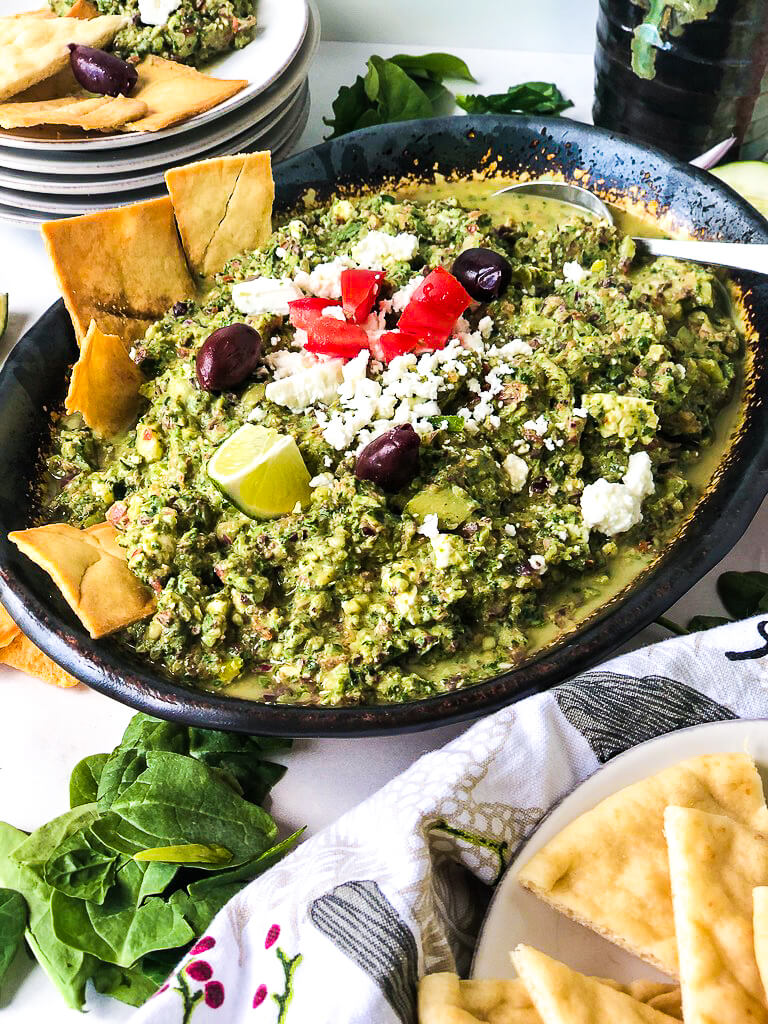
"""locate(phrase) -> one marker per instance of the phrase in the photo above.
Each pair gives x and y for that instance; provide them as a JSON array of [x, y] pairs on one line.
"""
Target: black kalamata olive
[[101, 72], [180, 308], [392, 460], [484, 273], [227, 357]]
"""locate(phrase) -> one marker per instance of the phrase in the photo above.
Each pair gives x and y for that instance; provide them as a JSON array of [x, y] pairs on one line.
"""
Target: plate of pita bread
[[641, 899], [59, 141]]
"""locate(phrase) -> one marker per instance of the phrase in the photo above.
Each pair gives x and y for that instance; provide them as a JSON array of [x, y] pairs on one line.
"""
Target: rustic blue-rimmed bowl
[[33, 380]]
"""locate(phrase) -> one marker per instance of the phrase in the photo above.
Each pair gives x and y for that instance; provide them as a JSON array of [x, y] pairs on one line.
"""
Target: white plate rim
[[27, 198], [282, 147], [161, 156], [286, 8], [511, 906]]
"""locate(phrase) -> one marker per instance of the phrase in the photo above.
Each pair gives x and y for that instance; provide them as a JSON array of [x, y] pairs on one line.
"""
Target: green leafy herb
[[13, 921], [399, 89], [526, 98], [743, 594], [701, 622], [161, 833]]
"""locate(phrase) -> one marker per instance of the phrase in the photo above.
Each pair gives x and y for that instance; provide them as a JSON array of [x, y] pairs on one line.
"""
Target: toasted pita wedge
[[91, 113], [609, 868], [714, 864], [223, 207], [63, 83], [89, 568], [83, 10], [8, 628], [563, 996], [122, 268], [22, 654], [174, 92], [35, 48], [445, 999], [760, 926], [105, 384], [41, 12]]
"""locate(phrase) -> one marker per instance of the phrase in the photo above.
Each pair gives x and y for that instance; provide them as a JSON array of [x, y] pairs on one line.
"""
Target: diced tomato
[[395, 343], [331, 337], [359, 291], [434, 308], [304, 312]]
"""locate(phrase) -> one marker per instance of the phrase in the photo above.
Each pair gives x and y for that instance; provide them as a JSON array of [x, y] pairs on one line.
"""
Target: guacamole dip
[[557, 426], [187, 31]]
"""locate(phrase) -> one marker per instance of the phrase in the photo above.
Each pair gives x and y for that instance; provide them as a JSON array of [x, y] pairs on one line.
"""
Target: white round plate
[[54, 195], [517, 916], [282, 145], [279, 36], [162, 154]]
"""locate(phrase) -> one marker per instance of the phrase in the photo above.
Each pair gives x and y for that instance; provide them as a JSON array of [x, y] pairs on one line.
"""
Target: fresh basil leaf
[[434, 65], [743, 592], [82, 866], [701, 622], [526, 98], [13, 921], [84, 780], [189, 853], [179, 801]]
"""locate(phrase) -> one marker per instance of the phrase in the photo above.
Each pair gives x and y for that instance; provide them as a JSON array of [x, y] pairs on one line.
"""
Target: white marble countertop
[[44, 731]]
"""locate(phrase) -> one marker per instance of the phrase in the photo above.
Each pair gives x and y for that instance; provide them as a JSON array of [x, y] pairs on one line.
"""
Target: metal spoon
[[736, 255]]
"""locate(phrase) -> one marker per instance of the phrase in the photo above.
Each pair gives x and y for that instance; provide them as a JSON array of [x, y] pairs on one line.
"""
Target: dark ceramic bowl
[[32, 383]]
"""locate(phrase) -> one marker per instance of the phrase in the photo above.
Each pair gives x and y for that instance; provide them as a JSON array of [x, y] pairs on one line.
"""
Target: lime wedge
[[260, 471]]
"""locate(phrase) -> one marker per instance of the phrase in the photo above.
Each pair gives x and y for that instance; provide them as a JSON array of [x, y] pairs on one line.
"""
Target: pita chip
[[91, 113], [35, 48], [105, 383], [563, 996], [89, 568], [174, 92], [20, 653], [40, 12], [8, 629], [122, 268], [760, 926], [609, 869], [445, 999], [714, 864], [223, 207]]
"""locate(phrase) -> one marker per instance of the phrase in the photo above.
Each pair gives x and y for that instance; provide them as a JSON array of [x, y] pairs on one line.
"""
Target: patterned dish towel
[[340, 931]]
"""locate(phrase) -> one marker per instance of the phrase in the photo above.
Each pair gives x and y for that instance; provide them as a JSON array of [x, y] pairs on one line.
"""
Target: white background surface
[[44, 732]]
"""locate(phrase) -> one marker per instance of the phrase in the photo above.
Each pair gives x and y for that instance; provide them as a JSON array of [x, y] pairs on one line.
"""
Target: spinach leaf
[[121, 770], [526, 98], [179, 801], [190, 853], [743, 593], [395, 94], [131, 985], [84, 781], [433, 65], [701, 622], [82, 866], [13, 921]]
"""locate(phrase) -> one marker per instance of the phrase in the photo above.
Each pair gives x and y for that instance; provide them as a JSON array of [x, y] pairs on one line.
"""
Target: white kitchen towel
[[340, 931]]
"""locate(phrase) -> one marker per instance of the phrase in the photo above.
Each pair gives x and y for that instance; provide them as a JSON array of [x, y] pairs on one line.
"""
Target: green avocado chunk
[[452, 506]]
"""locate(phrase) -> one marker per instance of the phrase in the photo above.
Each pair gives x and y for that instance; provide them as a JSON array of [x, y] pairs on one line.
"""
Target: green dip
[[192, 34], [588, 366]]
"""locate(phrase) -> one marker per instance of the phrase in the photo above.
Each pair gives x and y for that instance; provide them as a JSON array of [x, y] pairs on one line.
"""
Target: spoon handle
[[737, 255]]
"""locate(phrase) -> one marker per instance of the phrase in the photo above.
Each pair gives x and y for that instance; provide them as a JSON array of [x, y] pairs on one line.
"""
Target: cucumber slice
[[3, 313], [749, 178]]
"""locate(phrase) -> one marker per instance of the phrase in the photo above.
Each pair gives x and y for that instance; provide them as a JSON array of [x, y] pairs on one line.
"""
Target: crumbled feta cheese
[[256, 415], [285, 362], [574, 271], [376, 249], [538, 563], [157, 12], [322, 480], [429, 528], [580, 412], [485, 326], [325, 279], [327, 461], [280, 252], [515, 347], [446, 550], [265, 295], [317, 385], [615, 508], [539, 426], [517, 471], [334, 313], [510, 529], [403, 296]]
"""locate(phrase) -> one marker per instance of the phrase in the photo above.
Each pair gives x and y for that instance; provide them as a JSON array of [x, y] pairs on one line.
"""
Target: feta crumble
[[334, 313], [614, 508], [574, 271], [429, 528], [325, 280], [517, 471], [318, 384], [377, 249], [157, 12], [403, 296], [265, 295], [322, 480]]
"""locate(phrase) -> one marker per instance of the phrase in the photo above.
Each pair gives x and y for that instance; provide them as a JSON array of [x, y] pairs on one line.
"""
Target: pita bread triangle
[[563, 996], [760, 925], [609, 869], [714, 864]]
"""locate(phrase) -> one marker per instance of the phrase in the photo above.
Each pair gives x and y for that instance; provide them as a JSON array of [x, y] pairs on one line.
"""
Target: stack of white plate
[[48, 178]]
